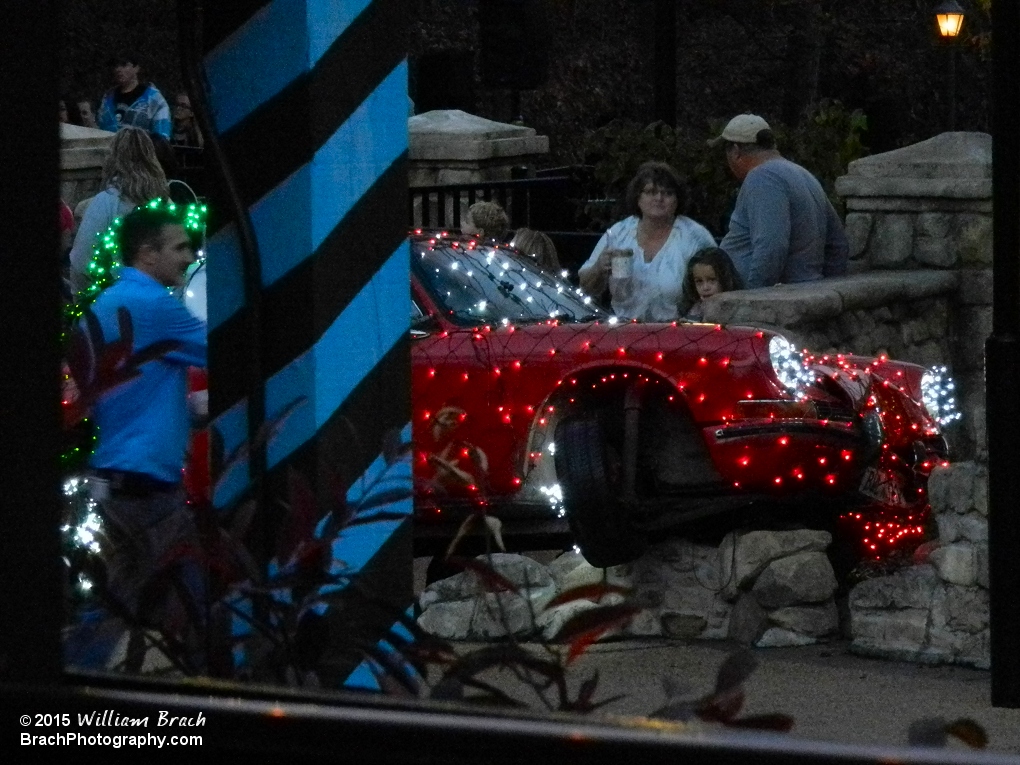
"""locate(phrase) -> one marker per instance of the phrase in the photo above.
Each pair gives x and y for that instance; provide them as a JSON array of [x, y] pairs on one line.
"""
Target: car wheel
[[598, 520]]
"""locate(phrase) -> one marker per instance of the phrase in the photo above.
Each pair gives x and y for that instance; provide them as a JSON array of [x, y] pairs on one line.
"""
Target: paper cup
[[623, 265]]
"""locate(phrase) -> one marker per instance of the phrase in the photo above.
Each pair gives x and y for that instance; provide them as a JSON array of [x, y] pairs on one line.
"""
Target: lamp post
[[949, 17]]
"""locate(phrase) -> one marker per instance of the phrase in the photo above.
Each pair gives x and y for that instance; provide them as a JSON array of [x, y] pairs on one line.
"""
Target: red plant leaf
[[302, 514], [491, 580], [588, 626], [601, 618], [721, 707], [969, 732]]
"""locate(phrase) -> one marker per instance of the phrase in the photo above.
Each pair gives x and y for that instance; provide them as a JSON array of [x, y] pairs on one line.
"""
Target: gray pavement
[[832, 695]]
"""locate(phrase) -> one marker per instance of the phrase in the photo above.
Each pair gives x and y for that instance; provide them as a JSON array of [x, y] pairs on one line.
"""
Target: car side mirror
[[423, 326]]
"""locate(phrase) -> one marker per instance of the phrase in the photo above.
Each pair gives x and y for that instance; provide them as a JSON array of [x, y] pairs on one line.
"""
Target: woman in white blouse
[[647, 285]]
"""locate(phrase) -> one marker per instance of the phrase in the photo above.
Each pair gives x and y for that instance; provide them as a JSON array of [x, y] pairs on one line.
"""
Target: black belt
[[130, 484]]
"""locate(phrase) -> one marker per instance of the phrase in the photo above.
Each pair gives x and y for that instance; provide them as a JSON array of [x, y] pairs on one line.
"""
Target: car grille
[[827, 411]]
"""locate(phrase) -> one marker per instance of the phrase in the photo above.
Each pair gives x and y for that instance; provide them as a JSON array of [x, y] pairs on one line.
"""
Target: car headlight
[[789, 365], [938, 394]]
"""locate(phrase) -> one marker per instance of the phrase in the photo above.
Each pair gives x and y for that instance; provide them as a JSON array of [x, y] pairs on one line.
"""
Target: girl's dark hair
[[657, 174], [725, 272]]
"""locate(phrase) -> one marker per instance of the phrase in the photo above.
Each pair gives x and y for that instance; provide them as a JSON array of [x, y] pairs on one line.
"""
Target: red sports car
[[530, 400]]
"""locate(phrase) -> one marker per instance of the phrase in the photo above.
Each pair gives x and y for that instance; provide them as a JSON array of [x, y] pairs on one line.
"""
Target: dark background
[[568, 66]]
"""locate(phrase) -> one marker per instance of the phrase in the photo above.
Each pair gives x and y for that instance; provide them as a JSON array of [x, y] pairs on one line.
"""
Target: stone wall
[[82, 153], [929, 206], [908, 315], [763, 588], [936, 611]]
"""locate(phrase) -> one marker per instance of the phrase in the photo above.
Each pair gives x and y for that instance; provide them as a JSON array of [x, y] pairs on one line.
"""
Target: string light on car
[[789, 365], [938, 394]]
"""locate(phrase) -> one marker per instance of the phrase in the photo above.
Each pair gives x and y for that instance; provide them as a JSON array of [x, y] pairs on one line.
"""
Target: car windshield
[[480, 283]]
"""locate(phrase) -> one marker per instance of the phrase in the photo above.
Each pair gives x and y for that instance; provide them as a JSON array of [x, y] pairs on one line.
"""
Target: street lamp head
[[949, 16]]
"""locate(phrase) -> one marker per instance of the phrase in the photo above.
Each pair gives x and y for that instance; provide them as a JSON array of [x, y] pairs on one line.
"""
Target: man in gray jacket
[[783, 228]]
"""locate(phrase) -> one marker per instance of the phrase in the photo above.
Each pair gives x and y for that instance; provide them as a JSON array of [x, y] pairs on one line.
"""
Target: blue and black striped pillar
[[309, 103]]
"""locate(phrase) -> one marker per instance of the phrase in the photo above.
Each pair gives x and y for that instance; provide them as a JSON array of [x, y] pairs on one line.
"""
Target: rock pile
[[937, 611], [767, 588]]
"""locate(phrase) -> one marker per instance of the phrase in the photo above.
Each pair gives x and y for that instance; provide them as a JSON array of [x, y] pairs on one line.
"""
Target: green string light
[[104, 267]]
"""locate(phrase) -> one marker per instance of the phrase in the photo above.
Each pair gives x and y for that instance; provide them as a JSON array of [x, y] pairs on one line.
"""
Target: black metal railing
[[559, 205]]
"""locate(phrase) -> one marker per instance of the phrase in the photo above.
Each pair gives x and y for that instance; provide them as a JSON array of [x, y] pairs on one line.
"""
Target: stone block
[[966, 608], [858, 231], [979, 500], [718, 627], [748, 620], [981, 563], [644, 624], [914, 331], [951, 488], [976, 651], [911, 588], [935, 253], [743, 556], [817, 621], [974, 325], [892, 241], [972, 238], [928, 354], [802, 578], [682, 626], [934, 225], [482, 618], [901, 632], [972, 527], [956, 563], [692, 600], [571, 570], [975, 286], [777, 637]]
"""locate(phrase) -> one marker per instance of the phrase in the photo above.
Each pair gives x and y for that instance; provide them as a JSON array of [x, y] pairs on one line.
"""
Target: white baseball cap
[[743, 128]]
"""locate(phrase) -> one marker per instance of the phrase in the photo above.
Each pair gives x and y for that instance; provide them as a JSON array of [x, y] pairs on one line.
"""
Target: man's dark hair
[[657, 174], [143, 226], [124, 57]]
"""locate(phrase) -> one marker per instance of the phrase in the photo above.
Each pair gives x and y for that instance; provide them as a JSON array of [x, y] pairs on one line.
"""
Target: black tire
[[598, 520]]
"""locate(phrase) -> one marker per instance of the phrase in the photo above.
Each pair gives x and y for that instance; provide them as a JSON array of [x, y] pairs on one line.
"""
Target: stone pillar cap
[[955, 165], [82, 146], [455, 134]]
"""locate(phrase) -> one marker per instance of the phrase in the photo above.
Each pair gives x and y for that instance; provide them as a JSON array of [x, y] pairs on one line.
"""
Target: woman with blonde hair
[[131, 177], [537, 245]]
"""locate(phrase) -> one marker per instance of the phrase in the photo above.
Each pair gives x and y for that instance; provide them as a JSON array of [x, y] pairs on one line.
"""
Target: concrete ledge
[[788, 304], [944, 188], [450, 134]]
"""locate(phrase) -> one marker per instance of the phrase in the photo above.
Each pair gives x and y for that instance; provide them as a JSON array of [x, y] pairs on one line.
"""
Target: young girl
[[709, 272]]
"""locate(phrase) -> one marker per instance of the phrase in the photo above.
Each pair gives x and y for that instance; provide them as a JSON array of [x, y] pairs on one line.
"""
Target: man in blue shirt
[[133, 102], [143, 423], [783, 228]]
